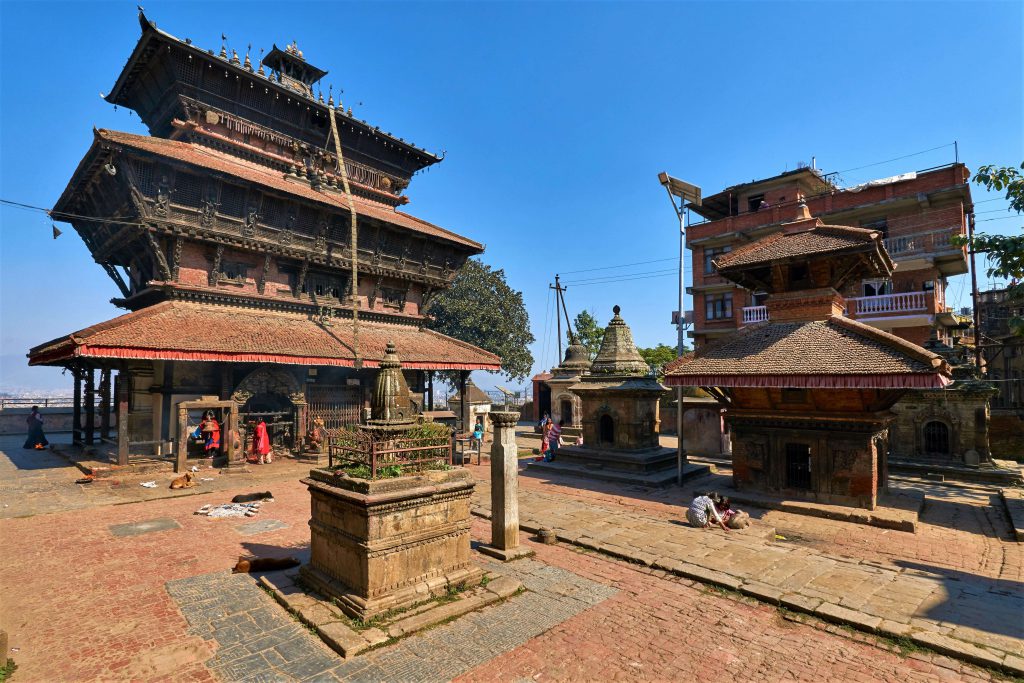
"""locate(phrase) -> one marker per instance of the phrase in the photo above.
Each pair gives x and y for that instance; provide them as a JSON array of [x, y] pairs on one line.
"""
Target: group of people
[[713, 506], [209, 432], [551, 437]]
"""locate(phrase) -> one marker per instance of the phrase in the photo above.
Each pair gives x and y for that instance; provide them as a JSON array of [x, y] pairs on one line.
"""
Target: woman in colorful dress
[[210, 429], [260, 449], [702, 510]]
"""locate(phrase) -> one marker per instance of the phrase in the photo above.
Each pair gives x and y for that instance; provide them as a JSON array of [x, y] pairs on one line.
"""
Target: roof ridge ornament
[[248, 62], [223, 46]]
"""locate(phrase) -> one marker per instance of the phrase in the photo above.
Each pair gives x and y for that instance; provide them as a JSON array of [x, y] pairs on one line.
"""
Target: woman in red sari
[[210, 430], [260, 448]]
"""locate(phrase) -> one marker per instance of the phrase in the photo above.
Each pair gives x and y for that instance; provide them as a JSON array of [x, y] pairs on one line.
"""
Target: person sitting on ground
[[734, 519], [554, 440], [702, 510]]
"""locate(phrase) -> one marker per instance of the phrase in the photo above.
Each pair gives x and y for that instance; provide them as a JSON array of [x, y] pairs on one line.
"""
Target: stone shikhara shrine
[[384, 544], [808, 393]]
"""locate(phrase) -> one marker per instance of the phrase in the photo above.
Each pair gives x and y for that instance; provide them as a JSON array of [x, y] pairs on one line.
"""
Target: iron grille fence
[[370, 455]]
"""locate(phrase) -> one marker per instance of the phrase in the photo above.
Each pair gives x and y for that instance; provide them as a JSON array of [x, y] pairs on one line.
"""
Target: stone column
[[505, 490]]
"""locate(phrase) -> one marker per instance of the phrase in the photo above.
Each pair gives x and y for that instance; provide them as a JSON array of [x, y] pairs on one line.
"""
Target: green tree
[[658, 356], [481, 309], [588, 332], [1005, 252]]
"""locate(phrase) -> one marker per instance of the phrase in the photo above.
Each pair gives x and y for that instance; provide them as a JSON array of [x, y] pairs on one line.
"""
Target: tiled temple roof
[[832, 353], [822, 239], [213, 160], [175, 330]]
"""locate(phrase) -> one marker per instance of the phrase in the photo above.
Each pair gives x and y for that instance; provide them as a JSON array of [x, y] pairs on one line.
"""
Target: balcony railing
[[754, 314], [937, 240], [888, 303]]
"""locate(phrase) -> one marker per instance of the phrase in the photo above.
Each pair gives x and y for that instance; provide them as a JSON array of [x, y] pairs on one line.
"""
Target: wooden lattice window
[[392, 298], [272, 211], [188, 189], [144, 174], [936, 438], [232, 200]]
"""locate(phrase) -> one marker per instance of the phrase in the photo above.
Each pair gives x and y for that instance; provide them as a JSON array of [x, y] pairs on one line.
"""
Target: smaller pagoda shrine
[[808, 393], [565, 404], [619, 408]]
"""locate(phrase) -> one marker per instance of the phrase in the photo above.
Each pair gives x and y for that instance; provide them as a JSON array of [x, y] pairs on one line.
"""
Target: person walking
[[36, 439], [554, 440]]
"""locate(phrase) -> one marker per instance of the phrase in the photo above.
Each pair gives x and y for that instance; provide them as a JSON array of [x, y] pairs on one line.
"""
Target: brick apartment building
[[918, 213]]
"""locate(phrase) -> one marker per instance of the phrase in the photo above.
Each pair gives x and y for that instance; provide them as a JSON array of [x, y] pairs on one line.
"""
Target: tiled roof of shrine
[[175, 330], [832, 353], [822, 239], [213, 160]]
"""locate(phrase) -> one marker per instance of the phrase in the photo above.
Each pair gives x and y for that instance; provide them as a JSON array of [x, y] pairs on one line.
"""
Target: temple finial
[[261, 72], [234, 58], [330, 97], [248, 62]]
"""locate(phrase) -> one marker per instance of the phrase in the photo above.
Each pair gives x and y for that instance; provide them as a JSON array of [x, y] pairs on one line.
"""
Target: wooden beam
[[123, 387], [105, 403], [76, 413], [118, 280], [89, 375], [158, 255]]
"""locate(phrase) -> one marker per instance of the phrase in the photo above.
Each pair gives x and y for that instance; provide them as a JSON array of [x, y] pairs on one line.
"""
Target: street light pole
[[685, 192]]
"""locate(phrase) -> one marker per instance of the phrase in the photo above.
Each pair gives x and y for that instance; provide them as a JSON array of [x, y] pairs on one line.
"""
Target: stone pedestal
[[386, 544], [505, 490]]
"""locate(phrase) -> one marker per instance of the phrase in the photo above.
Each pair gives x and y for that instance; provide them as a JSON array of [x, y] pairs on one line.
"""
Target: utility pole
[[558, 293], [974, 294]]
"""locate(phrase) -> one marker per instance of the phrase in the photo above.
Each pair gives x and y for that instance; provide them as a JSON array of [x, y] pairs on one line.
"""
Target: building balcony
[[754, 314], [907, 302], [929, 249]]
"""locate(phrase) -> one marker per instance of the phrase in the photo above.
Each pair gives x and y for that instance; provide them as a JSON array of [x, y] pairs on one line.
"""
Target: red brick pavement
[[82, 604]]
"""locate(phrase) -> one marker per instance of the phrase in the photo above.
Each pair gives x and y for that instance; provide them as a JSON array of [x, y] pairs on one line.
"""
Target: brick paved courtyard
[[156, 601]]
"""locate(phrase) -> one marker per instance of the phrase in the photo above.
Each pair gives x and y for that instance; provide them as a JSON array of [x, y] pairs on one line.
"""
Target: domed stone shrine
[[620, 417]]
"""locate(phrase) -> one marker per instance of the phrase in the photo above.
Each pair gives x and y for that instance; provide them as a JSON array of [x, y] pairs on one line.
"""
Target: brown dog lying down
[[263, 564], [740, 520], [184, 482]]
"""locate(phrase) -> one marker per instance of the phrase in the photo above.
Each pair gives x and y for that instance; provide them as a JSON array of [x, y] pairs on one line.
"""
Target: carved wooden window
[[232, 200], [306, 223], [936, 438], [323, 286], [144, 174], [235, 271], [392, 298], [188, 189], [273, 212], [187, 67]]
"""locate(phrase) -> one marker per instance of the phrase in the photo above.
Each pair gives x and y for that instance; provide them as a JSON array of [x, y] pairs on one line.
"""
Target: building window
[[881, 225], [754, 202], [718, 306], [936, 438], [232, 270], [392, 298], [711, 253], [799, 274], [877, 287]]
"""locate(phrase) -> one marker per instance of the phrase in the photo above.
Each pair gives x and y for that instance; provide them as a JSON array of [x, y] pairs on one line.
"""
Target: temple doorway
[[606, 429], [936, 438], [566, 412], [279, 415], [798, 466]]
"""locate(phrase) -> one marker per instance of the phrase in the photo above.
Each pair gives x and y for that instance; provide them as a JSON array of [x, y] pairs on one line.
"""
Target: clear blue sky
[[556, 118]]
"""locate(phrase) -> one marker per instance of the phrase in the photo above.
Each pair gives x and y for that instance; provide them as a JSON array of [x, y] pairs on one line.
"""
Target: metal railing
[[42, 402], [889, 303], [370, 457], [754, 314]]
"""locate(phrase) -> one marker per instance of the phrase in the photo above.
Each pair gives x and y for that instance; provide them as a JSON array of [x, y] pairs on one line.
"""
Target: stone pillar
[[505, 490], [123, 382]]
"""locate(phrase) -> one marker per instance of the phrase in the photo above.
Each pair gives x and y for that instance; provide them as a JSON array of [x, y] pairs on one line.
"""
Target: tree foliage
[[481, 309], [1005, 252], [659, 356], [588, 332]]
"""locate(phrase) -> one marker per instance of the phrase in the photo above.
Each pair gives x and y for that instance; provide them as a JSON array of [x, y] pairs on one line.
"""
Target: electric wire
[[905, 156], [620, 275], [622, 265]]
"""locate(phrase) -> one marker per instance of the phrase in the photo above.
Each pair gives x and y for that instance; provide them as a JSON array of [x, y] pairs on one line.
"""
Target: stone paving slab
[[1013, 500], [259, 641], [260, 526], [930, 604], [146, 527]]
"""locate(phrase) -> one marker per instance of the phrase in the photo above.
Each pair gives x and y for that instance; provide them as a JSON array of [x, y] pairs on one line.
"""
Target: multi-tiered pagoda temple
[[228, 234]]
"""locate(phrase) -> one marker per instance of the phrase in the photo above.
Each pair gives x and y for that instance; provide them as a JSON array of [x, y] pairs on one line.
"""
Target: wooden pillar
[[463, 401], [181, 453], [430, 389], [89, 376], [76, 415], [123, 387], [105, 403]]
